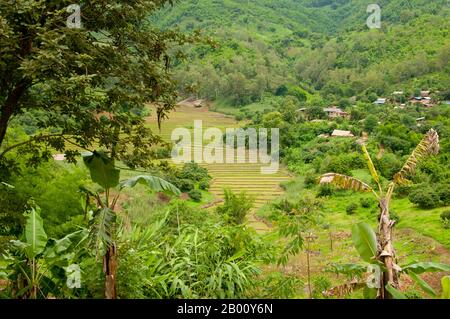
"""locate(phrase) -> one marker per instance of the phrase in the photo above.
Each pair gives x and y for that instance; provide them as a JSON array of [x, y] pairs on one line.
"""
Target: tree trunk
[[110, 269], [10, 106], [386, 253]]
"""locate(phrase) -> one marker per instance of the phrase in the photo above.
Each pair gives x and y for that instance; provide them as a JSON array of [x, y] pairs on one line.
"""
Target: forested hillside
[[312, 46]]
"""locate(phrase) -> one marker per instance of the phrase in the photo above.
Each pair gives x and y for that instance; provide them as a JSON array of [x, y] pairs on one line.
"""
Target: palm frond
[[155, 183], [371, 167], [101, 231], [345, 182], [428, 146]]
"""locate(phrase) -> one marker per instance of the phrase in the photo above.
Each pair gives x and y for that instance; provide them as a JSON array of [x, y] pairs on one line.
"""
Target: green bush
[[239, 116], [325, 190], [424, 197], [206, 261], [284, 206], [185, 185], [366, 202], [55, 188], [351, 209], [443, 191], [279, 285], [203, 185], [195, 195], [235, 207], [403, 191], [194, 172], [310, 179], [445, 217], [320, 285], [162, 153]]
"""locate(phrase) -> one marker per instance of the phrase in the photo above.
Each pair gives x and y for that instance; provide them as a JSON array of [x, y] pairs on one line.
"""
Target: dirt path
[[245, 177]]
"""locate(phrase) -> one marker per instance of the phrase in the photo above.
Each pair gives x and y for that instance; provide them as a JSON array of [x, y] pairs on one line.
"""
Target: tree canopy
[[83, 84]]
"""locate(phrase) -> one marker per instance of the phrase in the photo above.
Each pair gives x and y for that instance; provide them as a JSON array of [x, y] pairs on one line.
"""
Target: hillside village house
[[335, 112], [424, 101], [340, 133], [380, 101]]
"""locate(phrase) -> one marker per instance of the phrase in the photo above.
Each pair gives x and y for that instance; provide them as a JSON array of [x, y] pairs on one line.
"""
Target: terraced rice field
[[245, 177]]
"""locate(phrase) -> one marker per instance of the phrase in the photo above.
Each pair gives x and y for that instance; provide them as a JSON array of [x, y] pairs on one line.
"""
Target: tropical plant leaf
[[422, 267], [155, 183], [369, 293], [102, 228], [344, 181], [428, 146], [397, 294], [445, 282], [102, 169], [423, 284], [350, 270], [19, 245], [61, 245], [35, 235], [365, 241], [370, 165]]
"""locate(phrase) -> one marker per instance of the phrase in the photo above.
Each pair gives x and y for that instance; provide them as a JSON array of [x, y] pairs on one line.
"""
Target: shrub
[[325, 190], [279, 285], [284, 206], [55, 188], [210, 267], [424, 198], [162, 153], [443, 192], [195, 195], [239, 116], [402, 191], [204, 184], [388, 165], [235, 207], [366, 202], [445, 217], [185, 185], [310, 179], [320, 285], [194, 172], [351, 209]]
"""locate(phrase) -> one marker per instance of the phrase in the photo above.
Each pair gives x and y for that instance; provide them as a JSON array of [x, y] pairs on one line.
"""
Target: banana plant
[[429, 145], [35, 259], [365, 242], [104, 173]]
